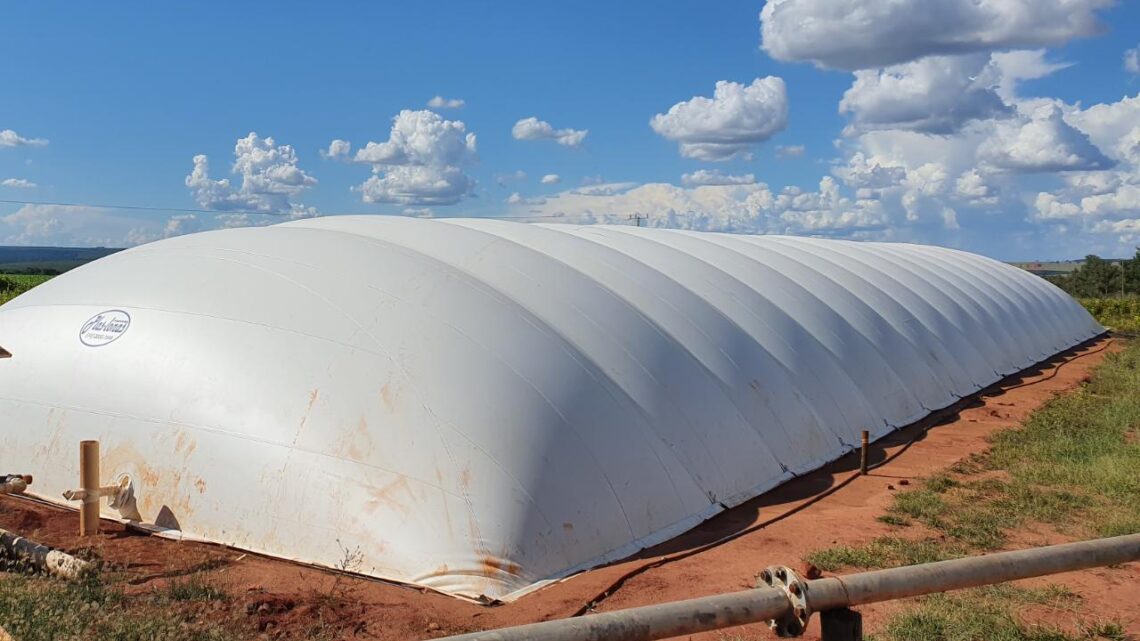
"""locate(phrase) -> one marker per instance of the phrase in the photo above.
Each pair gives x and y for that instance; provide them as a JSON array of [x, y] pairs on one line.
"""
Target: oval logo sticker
[[105, 327]]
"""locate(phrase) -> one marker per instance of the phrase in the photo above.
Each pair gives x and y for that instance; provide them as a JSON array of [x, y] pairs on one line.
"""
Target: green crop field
[[12, 285], [1122, 314]]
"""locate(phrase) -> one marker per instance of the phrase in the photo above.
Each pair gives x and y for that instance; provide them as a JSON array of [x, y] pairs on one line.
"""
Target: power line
[[244, 211]]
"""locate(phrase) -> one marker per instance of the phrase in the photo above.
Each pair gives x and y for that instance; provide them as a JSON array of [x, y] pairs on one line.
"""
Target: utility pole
[[637, 218]]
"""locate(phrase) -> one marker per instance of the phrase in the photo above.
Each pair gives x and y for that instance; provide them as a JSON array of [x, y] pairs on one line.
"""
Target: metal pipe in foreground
[[679, 618], [942, 576]]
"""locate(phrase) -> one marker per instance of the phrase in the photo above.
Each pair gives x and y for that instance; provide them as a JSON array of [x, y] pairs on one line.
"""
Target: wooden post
[[89, 483], [863, 453]]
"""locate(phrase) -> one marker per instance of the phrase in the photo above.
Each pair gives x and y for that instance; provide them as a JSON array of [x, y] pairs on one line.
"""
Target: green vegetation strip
[[12, 285], [987, 614], [1121, 314], [40, 609], [1073, 467]]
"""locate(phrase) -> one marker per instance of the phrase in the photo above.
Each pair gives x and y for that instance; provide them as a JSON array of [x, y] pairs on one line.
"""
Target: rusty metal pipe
[[678, 618], [865, 441], [650, 622], [89, 482]]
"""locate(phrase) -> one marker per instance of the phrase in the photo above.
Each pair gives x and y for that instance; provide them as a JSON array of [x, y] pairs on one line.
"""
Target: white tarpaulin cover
[[478, 405]]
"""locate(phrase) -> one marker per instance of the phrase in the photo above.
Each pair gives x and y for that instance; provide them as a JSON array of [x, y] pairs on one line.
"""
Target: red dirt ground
[[283, 598]]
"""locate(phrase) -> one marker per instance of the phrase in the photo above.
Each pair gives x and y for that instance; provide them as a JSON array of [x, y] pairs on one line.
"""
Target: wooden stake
[[863, 453], [89, 482]]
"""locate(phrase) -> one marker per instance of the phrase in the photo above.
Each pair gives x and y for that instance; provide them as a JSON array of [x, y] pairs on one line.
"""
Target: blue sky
[[1012, 129]]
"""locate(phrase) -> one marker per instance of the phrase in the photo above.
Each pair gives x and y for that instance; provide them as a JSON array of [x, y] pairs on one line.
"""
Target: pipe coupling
[[794, 620]]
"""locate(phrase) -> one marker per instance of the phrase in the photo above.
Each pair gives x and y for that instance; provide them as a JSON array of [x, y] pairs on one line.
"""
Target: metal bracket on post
[[117, 494], [120, 496], [794, 621]]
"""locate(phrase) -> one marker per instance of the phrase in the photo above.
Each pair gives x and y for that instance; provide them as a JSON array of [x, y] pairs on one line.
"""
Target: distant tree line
[[34, 271], [1100, 278]]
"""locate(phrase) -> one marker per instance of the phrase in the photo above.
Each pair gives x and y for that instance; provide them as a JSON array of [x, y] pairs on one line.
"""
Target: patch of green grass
[[987, 614], [1110, 630], [1078, 456], [980, 527], [195, 587], [34, 608], [894, 519], [923, 505], [1119, 525], [940, 483], [12, 285], [883, 552]]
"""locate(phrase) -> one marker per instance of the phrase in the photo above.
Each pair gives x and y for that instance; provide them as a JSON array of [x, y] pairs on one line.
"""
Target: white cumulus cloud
[[534, 129], [517, 199], [1042, 143], [77, 226], [857, 34], [439, 102], [752, 208], [1103, 201], [551, 179], [974, 187], [1113, 127], [421, 163], [337, 149], [714, 177], [1009, 68], [9, 138], [417, 185], [728, 124], [270, 179], [503, 180], [862, 172], [1132, 60], [18, 183], [937, 94]]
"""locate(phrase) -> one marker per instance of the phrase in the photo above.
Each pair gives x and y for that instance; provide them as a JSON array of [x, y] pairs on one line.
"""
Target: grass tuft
[[985, 613], [883, 552], [195, 588], [894, 519]]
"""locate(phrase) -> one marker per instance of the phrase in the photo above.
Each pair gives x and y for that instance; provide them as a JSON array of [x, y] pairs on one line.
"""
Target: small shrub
[[195, 588]]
